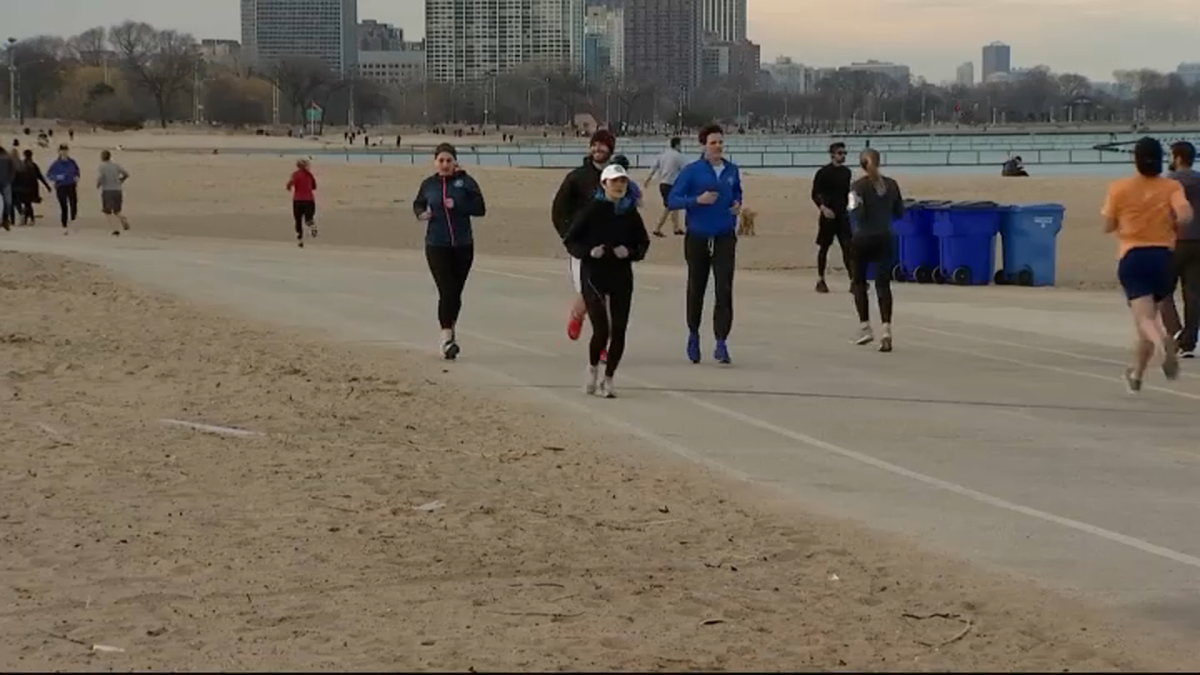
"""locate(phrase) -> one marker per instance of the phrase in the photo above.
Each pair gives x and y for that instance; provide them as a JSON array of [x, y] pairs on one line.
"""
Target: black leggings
[[715, 255], [875, 248], [303, 212], [23, 206], [68, 202], [607, 294], [830, 230], [450, 266]]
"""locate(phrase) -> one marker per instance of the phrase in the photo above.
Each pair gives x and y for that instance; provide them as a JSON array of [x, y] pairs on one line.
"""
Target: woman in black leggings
[[446, 202], [607, 236], [875, 203]]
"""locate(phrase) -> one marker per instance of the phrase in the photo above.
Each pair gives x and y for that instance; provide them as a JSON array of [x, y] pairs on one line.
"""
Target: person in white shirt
[[667, 168]]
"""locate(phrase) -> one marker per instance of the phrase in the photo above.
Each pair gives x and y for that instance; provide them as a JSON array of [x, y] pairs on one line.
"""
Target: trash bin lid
[[1038, 207], [976, 205]]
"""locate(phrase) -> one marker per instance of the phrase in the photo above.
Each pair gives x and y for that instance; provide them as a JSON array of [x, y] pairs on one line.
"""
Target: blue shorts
[[1147, 272]]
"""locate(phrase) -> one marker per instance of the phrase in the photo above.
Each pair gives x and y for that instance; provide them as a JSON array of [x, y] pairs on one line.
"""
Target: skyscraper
[[321, 29], [604, 40], [997, 58], [965, 75], [469, 39], [725, 18], [663, 43]]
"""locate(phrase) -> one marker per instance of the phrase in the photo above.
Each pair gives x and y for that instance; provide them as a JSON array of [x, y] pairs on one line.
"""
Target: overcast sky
[[1093, 37]]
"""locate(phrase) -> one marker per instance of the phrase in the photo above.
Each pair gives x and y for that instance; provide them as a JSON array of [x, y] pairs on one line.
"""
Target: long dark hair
[[1148, 157]]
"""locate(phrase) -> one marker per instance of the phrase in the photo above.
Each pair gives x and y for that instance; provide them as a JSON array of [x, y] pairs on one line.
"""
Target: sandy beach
[[357, 525], [363, 204]]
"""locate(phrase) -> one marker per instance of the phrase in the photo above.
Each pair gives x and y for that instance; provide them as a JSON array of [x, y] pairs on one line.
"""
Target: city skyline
[[1090, 37]]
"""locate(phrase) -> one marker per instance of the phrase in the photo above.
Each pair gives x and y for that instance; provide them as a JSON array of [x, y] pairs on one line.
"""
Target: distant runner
[[65, 174], [667, 168], [1144, 211], [303, 186], [875, 202], [446, 202], [830, 190], [110, 180]]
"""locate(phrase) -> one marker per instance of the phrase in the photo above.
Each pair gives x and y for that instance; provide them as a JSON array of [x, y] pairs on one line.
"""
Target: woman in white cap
[[608, 236]]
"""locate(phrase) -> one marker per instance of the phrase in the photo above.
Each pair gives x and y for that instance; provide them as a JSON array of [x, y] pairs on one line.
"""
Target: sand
[[379, 518], [365, 204]]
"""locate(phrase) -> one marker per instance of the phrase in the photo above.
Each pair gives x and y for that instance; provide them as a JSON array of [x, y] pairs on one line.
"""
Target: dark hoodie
[[610, 224], [576, 191], [450, 227]]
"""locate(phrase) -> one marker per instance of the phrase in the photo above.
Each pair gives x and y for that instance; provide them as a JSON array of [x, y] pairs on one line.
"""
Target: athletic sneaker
[[116, 233], [1187, 354], [300, 243], [865, 336], [1170, 366], [822, 287], [693, 348], [312, 230], [450, 350], [606, 388], [574, 327], [885, 343], [721, 353], [125, 225], [1132, 384], [590, 376]]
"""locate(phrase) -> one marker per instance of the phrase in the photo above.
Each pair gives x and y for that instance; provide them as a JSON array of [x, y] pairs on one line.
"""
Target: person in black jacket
[[446, 202], [25, 188], [607, 236], [578, 190], [830, 190]]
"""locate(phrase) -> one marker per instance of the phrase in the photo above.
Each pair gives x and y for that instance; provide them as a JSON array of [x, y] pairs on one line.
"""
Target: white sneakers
[[595, 385]]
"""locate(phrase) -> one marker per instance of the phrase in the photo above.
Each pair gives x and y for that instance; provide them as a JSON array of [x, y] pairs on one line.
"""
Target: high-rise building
[[1189, 73], [224, 53], [604, 42], [402, 65], [321, 29], [965, 75], [898, 72], [741, 61], [997, 58], [725, 18], [663, 43], [471, 39]]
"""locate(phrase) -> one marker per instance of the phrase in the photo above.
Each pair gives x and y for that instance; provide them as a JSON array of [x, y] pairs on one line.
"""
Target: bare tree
[[89, 48], [301, 80], [163, 63], [39, 70]]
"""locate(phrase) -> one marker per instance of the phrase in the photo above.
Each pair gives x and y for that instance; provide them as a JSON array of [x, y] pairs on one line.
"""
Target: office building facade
[[663, 43], [997, 58], [325, 30], [724, 18], [469, 40], [965, 74]]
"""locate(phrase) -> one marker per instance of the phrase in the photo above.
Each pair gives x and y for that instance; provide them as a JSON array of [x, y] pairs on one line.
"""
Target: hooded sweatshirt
[[450, 227], [64, 172], [716, 219], [576, 191]]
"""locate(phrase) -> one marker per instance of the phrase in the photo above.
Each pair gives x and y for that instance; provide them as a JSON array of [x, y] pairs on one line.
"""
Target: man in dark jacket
[[578, 189], [1186, 258], [8, 172]]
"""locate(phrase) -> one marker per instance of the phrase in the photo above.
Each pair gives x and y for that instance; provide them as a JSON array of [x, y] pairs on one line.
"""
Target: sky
[[1091, 37]]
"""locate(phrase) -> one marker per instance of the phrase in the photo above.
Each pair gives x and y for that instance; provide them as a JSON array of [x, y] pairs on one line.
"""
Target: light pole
[[12, 78]]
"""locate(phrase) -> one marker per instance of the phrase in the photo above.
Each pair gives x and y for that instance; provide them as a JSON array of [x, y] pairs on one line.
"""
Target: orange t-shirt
[[1145, 209]]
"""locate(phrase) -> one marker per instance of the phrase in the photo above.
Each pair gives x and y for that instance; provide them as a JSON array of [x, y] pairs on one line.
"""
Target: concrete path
[[998, 431]]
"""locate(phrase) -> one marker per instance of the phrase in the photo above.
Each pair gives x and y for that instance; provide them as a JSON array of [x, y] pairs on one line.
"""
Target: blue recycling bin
[[917, 251], [966, 233], [1029, 235]]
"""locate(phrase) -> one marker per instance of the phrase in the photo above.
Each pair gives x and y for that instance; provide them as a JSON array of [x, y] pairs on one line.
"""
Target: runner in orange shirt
[[1145, 211]]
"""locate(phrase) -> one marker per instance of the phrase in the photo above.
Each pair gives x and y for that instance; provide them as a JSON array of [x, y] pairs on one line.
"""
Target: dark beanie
[[445, 147], [605, 136]]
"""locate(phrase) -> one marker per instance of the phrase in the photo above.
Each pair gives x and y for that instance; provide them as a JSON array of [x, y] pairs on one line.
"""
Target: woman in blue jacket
[[710, 191], [64, 173], [446, 202]]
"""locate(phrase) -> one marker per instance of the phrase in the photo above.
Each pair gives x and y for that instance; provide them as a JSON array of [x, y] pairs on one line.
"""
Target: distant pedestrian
[[830, 191], [667, 168], [1144, 211], [65, 173], [8, 172], [1186, 257], [25, 188], [303, 186], [110, 180]]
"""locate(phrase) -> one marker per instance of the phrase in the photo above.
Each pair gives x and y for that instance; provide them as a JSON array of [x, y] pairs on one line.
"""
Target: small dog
[[745, 226]]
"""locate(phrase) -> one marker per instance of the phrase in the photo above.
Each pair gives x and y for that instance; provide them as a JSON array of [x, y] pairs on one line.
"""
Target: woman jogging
[[25, 187], [65, 173], [875, 201], [1144, 211], [446, 202], [607, 236], [303, 186]]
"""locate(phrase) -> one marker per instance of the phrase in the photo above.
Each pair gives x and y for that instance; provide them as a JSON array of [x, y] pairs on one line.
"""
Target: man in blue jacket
[[710, 191], [64, 173]]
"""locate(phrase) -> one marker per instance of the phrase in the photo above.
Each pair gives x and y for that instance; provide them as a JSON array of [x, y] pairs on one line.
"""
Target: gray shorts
[[111, 201]]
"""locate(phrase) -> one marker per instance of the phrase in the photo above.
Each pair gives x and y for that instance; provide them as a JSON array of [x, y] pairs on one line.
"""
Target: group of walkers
[[21, 179]]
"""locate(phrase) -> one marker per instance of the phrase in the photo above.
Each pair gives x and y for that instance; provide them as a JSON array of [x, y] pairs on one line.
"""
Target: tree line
[[126, 74]]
